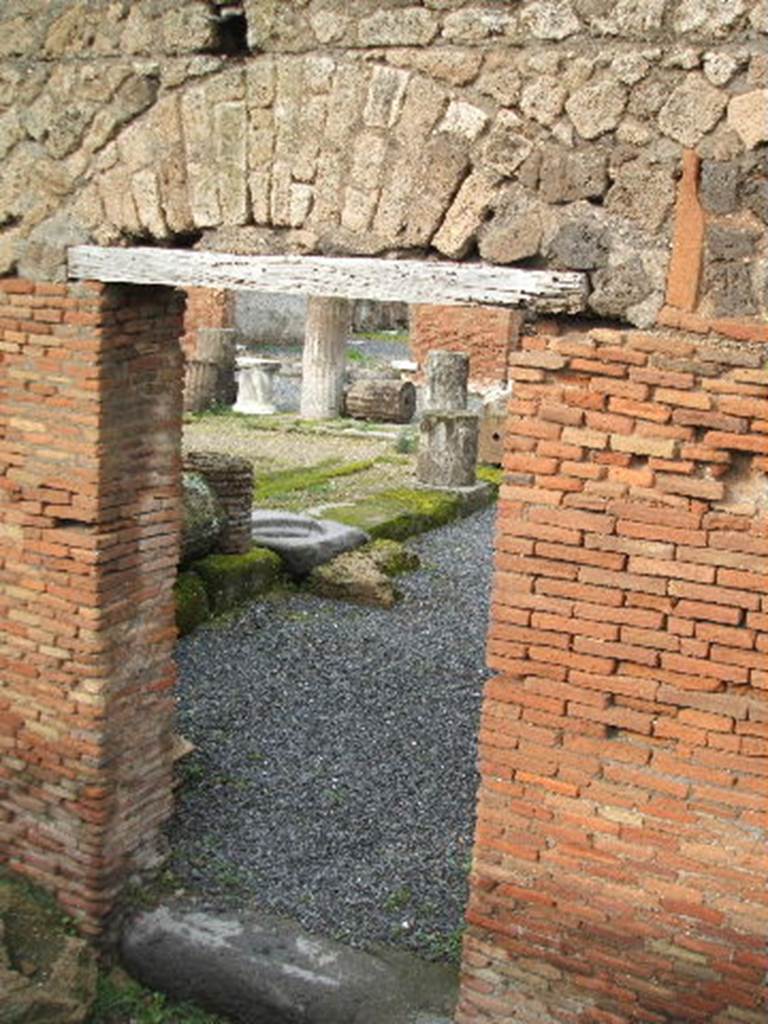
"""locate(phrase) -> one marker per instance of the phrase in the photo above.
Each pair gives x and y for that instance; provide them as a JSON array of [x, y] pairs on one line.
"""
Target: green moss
[[192, 605], [489, 474], [399, 513], [35, 927], [305, 478], [121, 1000], [230, 580], [392, 557]]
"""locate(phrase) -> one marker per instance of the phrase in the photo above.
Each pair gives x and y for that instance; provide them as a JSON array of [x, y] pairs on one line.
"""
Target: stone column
[[89, 535], [448, 449], [324, 357], [447, 376]]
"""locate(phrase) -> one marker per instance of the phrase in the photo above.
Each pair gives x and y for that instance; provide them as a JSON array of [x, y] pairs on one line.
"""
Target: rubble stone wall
[[90, 428], [550, 132], [620, 858]]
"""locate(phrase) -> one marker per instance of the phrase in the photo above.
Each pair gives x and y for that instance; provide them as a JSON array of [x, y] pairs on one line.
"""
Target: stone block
[[565, 176], [597, 108], [719, 185], [580, 245], [506, 147], [617, 288], [408, 26], [748, 117], [727, 243], [465, 215], [693, 109]]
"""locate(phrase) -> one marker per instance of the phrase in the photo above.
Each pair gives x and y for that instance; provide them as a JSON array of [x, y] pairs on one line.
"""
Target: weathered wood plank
[[412, 281]]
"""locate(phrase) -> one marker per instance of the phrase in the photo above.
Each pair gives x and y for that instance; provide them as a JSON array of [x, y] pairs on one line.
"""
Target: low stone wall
[[619, 864], [231, 479]]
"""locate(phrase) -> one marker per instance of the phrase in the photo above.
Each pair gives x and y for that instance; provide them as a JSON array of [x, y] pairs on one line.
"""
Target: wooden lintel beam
[[385, 280]]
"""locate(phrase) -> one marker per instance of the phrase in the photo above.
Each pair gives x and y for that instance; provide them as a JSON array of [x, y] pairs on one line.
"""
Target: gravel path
[[335, 776]]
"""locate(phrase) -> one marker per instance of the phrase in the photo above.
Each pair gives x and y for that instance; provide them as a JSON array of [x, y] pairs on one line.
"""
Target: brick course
[[620, 858], [90, 426]]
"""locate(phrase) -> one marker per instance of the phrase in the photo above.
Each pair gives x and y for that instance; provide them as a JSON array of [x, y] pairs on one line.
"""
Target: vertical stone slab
[[89, 533], [619, 867], [324, 357], [448, 449]]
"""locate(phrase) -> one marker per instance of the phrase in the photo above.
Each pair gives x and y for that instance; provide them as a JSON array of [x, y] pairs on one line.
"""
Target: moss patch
[[392, 557], [229, 580], [285, 481], [192, 606], [399, 513], [488, 474]]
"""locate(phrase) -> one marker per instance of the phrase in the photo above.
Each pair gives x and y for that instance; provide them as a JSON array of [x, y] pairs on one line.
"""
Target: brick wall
[[206, 307], [488, 334], [620, 859], [90, 420]]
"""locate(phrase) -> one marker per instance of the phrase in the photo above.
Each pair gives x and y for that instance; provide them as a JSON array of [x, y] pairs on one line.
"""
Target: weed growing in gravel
[[445, 946], [398, 899]]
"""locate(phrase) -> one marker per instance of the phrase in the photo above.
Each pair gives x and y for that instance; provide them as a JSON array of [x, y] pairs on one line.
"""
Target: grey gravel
[[335, 775]]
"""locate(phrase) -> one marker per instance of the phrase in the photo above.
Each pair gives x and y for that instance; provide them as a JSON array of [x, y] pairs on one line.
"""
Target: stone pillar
[[210, 373], [448, 449], [447, 377], [324, 359], [90, 409], [231, 479]]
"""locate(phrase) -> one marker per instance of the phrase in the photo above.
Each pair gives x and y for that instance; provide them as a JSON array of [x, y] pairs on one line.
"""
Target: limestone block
[[346, 98], [597, 109], [455, 65], [719, 68], [358, 209], [748, 116], [187, 29], [466, 214], [625, 18], [386, 93], [505, 148], [565, 176], [146, 196], [543, 99], [474, 24], [280, 196], [693, 109], [424, 103], [512, 235], [464, 119], [444, 162], [549, 19], [328, 26], [21, 36], [368, 158], [710, 16], [643, 192], [115, 189], [195, 110], [10, 132], [630, 68], [408, 26], [318, 73], [260, 82], [259, 190], [448, 449], [500, 77], [300, 204], [203, 194]]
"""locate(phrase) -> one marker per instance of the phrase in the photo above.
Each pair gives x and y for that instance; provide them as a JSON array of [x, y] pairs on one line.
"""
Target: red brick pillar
[[621, 861], [90, 423]]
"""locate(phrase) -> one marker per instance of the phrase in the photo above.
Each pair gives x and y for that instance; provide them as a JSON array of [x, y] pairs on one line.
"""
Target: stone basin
[[302, 541]]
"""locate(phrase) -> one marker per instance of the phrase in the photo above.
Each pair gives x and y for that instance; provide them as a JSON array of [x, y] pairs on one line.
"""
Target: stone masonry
[[619, 870], [549, 131]]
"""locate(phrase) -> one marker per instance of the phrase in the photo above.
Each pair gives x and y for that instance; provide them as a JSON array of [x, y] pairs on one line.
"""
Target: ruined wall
[[620, 861], [205, 307], [544, 131], [489, 335], [90, 420]]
